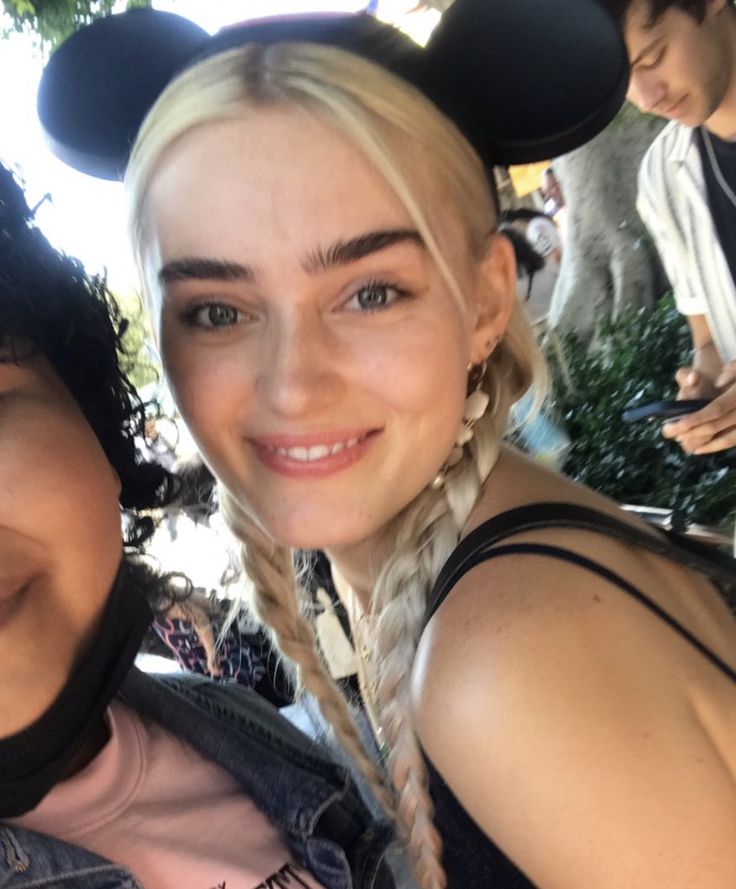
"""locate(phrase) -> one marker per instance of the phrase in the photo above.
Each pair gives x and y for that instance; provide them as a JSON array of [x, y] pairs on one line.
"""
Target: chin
[[314, 538], [319, 532]]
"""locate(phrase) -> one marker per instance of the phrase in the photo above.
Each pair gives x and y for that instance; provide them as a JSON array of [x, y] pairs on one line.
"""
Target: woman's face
[[60, 537], [313, 348]]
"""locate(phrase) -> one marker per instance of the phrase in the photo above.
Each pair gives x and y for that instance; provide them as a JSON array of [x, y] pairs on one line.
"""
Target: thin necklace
[[721, 179], [359, 622]]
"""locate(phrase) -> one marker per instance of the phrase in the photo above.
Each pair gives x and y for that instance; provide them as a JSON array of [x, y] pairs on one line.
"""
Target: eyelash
[[401, 294], [190, 316], [656, 60]]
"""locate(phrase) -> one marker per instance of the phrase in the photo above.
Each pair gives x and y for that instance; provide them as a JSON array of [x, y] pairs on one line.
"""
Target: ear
[[495, 297]]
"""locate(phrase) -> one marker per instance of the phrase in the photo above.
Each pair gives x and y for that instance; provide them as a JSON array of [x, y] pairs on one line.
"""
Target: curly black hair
[[49, 304]]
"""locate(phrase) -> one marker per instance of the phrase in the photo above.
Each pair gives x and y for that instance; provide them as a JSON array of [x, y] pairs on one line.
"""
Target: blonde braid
[[396, 638], [425, 535], [277, 601]]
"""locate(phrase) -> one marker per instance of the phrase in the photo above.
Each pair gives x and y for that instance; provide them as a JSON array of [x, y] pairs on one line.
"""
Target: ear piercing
[[476, 404]]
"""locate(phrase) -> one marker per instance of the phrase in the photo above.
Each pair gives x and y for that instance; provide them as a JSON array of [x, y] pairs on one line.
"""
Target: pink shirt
[[151, 803]]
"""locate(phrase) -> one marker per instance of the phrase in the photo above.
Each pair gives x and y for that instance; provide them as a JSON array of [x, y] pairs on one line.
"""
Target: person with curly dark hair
[[50, 306], [110, 777]]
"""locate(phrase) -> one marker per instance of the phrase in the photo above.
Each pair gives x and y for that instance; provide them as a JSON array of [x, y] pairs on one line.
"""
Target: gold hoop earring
[[476, 404]]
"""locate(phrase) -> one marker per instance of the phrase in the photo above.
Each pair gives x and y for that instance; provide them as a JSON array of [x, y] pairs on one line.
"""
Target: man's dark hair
[[523, 214], [49, 305], [657, 8], [528, 261]]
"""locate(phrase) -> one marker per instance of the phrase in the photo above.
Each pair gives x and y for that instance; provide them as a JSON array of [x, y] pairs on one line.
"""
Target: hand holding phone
[[664, 410]]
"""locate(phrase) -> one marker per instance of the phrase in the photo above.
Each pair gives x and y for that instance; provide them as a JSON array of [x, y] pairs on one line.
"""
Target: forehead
[[640, 30], [269, 180], [639, 17]]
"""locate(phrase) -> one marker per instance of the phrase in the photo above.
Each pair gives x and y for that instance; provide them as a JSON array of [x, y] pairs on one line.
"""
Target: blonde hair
[[431, 167]]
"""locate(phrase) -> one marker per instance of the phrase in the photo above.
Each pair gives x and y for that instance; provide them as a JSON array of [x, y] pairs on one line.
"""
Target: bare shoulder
[[554, 706], [522, 617]]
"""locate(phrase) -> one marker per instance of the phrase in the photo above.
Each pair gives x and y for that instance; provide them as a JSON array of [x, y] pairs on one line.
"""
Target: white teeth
[[319, 452], [316, 452]]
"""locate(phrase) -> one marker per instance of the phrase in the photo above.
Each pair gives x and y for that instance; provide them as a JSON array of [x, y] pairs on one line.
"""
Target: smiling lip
[[313, 456]]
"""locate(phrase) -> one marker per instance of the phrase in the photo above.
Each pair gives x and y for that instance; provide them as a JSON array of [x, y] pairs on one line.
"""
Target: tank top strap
[[556, 552], [716, 565], [482, 544]]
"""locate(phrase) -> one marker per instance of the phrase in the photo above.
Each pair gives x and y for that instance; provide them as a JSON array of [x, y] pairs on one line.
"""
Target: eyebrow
[[338, 254], [645, 52], [193, 268], [344, 252]]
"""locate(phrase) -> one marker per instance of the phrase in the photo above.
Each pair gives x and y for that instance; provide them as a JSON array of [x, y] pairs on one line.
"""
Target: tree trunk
[[609, 262]]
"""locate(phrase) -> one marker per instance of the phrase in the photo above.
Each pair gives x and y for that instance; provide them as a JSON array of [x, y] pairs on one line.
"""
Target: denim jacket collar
[[285, 773], [311, 799]]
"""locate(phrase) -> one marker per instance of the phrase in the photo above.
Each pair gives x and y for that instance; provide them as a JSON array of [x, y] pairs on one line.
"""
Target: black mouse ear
[[524, 79], [99, 85], [527, 80]]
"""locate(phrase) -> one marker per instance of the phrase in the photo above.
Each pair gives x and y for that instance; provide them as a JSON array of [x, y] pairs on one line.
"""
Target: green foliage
[[629, 115], [634, 362], [138, 361], [52, 21]]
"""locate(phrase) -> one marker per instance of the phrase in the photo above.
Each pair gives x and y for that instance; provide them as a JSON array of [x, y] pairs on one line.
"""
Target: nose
[[300, 373], [646, 91]]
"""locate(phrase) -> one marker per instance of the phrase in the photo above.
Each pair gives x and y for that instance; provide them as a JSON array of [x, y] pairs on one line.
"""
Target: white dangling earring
[[476, 404]]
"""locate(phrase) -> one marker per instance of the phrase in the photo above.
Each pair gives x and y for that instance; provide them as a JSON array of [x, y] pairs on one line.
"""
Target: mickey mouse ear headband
[[525, 80]]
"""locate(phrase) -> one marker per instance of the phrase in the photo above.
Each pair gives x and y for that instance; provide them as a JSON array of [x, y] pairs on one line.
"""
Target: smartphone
[[664, 410]]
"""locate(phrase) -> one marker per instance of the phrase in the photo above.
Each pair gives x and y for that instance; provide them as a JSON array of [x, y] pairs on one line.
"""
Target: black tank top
[[470, 858]]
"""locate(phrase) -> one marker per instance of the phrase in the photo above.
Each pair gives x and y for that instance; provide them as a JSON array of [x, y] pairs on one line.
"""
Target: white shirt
[[543, 235], [673, 202]]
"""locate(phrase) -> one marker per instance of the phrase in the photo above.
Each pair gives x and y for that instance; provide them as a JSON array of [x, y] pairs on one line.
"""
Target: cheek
[[59, 503], [81, 493], [423, 373], [211, 387]]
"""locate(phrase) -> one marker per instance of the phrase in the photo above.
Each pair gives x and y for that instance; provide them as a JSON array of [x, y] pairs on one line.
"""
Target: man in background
[[683, 67]]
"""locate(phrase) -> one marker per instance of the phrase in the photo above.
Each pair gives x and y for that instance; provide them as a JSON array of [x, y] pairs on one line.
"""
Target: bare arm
[[570, 737]]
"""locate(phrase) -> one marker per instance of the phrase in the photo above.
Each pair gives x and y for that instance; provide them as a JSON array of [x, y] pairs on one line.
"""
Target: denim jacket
[[311, 799]]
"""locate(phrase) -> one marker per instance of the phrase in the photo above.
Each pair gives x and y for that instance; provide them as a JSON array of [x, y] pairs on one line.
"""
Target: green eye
[[376, 296], [221, 316], [213, 315]]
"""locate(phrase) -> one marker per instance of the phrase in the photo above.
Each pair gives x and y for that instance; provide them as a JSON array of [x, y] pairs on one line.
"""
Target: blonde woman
[[338, 322]]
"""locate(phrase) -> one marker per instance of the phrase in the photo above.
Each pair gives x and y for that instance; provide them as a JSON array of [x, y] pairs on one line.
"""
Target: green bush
[[634, 362], [139, 361]]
